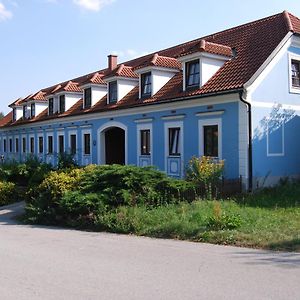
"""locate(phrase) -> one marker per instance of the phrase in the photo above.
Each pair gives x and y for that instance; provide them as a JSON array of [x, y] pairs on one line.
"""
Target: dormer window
[[112, 92], [146, 85], [295, 73], [32, 110], [87, 98], [192, 76], [24, 111], [51, 106], [62, 103]]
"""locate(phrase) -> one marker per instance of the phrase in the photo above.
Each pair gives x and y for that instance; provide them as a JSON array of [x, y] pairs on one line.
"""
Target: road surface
[[51, 263]]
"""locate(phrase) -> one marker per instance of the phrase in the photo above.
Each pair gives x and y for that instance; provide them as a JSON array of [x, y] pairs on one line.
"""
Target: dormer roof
[[160, 61], [70, 86], [94, 78], [16, 102], [208, 47], [122, 71]]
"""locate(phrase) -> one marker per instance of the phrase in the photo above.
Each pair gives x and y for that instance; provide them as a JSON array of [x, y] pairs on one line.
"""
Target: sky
[[44, 42]]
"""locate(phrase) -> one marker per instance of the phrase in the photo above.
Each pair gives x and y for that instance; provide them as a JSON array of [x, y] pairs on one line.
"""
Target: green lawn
[[269, 219]]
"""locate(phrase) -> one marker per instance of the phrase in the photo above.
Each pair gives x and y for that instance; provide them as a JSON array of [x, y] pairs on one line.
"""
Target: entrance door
[[115, 146]]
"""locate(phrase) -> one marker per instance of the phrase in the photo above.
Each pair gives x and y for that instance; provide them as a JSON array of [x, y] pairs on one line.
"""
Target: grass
[[269, 219]]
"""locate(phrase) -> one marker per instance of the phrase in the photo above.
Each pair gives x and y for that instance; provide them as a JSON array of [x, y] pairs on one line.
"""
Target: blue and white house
[[232, 95]]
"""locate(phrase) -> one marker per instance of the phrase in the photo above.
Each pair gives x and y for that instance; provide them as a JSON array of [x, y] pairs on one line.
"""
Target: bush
[[131, 185], [205, 171], [8, 193], [66, 161], [43, 201]]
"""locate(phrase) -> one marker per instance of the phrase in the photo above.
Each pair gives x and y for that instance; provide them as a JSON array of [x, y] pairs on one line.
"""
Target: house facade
[[232, 95]]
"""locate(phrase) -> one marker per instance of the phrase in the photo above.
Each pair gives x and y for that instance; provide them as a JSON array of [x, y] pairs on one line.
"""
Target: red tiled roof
[[16, 102], [253, 43], [122, 71], [161, 61], [95, 78], [213, 48], [68, 87], [7, 120]]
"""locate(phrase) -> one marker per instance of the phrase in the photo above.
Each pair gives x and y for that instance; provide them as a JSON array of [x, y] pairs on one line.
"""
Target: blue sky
[[44, 42]]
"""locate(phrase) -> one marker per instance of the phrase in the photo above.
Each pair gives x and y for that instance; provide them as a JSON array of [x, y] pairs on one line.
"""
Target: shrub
[[66, 160], [130, 185], [43, 200], [205, 171], [8, 193]]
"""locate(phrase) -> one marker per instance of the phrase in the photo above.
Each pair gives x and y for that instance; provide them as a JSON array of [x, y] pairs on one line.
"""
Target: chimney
[[112, 61]]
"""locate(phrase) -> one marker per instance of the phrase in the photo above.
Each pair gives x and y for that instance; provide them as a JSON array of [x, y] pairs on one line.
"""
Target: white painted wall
[[159, 79], [125, 86], [72, 98], [98, 92], [19, 112], [40, 107], [208, 67]]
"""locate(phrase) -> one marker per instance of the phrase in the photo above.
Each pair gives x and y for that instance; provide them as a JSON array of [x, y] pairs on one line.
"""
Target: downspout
[[250, 160]]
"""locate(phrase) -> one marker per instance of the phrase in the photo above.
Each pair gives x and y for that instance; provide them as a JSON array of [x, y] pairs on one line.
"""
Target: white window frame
[[47, 143], [38, 144], [12, 145], [210, 122], [26, 144], [139, 127], [29, 144], [173, 124], [83, 132], [15, 144], [59, 133], [291, 57], [272, 154], [73, 132]]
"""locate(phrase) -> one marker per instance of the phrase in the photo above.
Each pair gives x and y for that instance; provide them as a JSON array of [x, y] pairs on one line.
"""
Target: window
[[295, 73], [113, 92], [211, 139], [87, 98], [192, 74], [24, 145], [41, 144], [4, 145], [50, 144], [10, 145], [73, 144], [17, 145], [62, 103], [51, 106], [146, 85], [32, 110], [174, 141], [32, 145], [87, 144], [145, 142], [14, 115], [61, 146], [24, 111]]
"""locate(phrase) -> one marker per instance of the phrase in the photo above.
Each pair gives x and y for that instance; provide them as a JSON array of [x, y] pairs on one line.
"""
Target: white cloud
[[4, 13], [129, 53], [93, 5]]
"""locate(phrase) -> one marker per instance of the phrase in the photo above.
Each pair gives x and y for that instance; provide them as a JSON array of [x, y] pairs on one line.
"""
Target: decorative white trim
[[182, 104], [151, 68], [210, 113], [174, 117], [291, 57], [208, 122], [86, 126], [282, 153], [83, 155], [268, 65], [140, 127], [73, 132], [147, 120], [173, 124], [101, 140]]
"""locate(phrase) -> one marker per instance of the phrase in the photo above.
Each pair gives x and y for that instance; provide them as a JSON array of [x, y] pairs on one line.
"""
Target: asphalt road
[[51, 263]]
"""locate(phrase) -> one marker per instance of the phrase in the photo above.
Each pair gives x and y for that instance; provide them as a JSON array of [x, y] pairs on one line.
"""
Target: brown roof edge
[[288, 20]]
